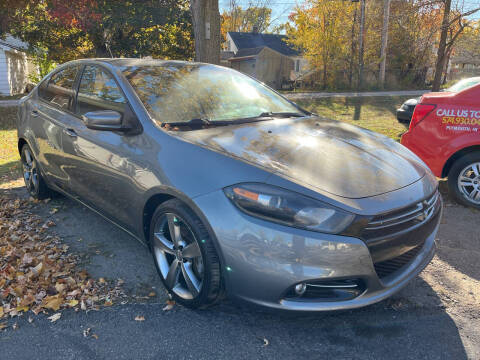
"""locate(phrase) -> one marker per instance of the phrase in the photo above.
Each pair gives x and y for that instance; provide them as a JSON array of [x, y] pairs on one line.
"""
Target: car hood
[[321, 154]]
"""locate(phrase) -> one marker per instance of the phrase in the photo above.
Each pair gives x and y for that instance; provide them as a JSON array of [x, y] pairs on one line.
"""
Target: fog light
[[300, 288]]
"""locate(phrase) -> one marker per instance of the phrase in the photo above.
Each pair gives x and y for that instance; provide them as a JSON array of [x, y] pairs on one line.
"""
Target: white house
[[14, 66]]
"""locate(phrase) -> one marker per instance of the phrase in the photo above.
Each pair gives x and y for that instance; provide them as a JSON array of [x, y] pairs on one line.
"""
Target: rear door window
[[58, 90], [98, 90]]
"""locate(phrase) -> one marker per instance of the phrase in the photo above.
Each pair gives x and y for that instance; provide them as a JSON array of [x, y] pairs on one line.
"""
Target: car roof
[[120, 62]]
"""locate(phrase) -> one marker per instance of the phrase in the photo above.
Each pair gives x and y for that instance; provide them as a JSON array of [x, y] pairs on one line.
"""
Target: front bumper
[[262, 260]]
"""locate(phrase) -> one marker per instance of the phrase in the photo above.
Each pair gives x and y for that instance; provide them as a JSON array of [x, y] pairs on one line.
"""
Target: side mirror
[[107, 120]]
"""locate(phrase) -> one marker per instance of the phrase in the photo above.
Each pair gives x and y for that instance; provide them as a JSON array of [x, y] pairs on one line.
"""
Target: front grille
[[385, 268], [395, 238], [405, 218]]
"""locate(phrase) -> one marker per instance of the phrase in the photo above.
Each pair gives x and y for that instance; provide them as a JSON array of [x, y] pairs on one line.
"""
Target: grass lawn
[[373, 113], [9, 158]]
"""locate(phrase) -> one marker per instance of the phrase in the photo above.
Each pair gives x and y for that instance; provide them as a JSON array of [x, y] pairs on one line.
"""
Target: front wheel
[[34, 181], [184, 255], [464, 180]]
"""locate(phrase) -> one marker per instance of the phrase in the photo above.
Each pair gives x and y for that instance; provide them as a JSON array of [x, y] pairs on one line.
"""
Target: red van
[[445, 134]]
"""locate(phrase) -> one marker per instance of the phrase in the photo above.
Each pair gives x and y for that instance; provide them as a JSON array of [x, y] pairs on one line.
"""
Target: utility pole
[[383, 49], [360, 44], [206, 28]]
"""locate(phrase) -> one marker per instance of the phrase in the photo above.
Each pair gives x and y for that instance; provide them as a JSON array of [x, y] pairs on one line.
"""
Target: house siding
[[4, 78], [17, 71], [273, 68]]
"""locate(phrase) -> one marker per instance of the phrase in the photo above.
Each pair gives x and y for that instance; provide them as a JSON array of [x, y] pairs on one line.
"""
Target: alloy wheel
[[178, 256], [30, 173], [469, 182]]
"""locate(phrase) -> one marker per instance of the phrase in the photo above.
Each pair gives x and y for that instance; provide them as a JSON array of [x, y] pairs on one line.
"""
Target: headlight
[[288, 208]]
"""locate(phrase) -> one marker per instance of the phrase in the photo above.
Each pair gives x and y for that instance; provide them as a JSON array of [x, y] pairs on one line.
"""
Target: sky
[[280, 8]]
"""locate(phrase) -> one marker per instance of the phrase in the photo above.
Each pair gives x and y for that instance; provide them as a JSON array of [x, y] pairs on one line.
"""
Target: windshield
[[463, 84], [178, 92]]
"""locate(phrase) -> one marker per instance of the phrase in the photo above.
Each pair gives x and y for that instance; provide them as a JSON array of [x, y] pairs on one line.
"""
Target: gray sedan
[[236, 190]]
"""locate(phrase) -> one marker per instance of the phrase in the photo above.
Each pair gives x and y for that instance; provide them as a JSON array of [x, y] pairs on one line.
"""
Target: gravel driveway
[[436, 316]]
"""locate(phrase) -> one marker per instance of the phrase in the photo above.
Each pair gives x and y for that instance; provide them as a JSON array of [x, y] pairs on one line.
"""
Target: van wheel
[[464, 180], [34, 181], [184, 255]]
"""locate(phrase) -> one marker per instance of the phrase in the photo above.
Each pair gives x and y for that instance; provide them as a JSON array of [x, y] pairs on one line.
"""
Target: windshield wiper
[[195, 123]]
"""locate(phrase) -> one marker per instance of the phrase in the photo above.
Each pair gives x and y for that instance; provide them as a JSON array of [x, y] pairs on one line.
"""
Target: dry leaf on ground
[[139, 318], [54, 317], [36, 271], [169, 305]]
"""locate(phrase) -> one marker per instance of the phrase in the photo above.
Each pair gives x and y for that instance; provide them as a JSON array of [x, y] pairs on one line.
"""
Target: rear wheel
[[184, 255], [464, 180], [34, 181]]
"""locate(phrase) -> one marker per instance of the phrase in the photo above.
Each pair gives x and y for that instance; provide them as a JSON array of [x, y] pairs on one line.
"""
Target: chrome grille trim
[[421, 211]]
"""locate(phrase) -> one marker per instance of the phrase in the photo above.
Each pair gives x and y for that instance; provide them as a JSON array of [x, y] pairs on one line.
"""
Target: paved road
[[419, 323], [8, 103], [318, 95]]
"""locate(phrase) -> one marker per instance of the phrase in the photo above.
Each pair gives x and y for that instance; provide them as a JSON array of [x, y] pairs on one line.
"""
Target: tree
[[467, 46], [320, 32], [246, 20], [206, 28], [102, 28], [453, 23]]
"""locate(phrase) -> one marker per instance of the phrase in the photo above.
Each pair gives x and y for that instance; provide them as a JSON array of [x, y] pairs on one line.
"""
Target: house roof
[[13, 43], [249, 51], [258, 40]]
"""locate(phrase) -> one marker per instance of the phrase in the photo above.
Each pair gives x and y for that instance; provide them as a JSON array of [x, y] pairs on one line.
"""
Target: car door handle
[[70, 132]]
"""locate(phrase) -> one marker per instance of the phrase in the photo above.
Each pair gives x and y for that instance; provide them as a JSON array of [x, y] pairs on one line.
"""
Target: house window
[[297, 65]]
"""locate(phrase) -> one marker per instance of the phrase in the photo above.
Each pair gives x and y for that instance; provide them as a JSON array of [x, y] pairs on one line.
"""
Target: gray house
[[267, 57]]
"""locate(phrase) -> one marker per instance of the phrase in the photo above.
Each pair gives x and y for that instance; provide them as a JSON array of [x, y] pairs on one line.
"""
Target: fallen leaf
[[22, 308], [169, 306], [1, 311], [95, 336], [54, 317], [152, 294], [30, 319], [52, 302], [73, 303], [15, 326], [139, 318], [86, 332], [3, 325], [108, 303]]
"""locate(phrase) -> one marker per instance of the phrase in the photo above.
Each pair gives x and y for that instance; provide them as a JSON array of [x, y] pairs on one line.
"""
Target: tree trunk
[[352, 50], [361, 40], [383, 49], [206, 27], [441, 56], [449, 53]]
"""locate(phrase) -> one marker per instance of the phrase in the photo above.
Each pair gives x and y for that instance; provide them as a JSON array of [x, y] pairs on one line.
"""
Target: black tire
[[453, 176], [211, 288], [38, 189]]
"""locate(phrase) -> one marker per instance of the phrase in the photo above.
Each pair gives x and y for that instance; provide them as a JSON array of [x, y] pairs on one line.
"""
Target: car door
[[101, 169], [50, 108]]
